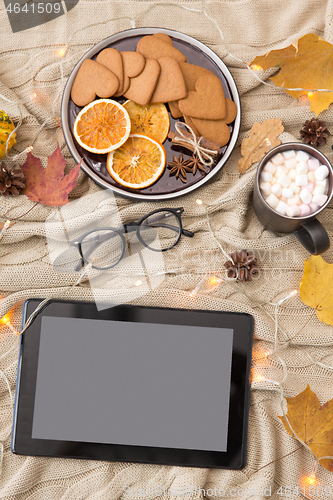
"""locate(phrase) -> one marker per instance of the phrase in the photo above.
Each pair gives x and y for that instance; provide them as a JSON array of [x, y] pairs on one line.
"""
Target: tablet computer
[[134, 383]]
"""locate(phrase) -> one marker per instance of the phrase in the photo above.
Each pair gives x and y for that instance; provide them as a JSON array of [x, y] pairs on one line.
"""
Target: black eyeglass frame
[[125, 229]]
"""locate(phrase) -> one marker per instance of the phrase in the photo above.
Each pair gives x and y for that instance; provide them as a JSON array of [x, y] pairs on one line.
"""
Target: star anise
[[243, 267], [195, 164], [179, 168]]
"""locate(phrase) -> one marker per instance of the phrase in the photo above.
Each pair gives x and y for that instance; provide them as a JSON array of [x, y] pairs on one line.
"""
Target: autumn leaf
[[263, 137], [306, 64], [49, 186], [316, 287], [312, 423]]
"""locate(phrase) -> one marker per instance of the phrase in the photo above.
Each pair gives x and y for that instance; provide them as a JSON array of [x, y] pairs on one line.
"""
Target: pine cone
[[11, 181], [244, 266], [314, 132]]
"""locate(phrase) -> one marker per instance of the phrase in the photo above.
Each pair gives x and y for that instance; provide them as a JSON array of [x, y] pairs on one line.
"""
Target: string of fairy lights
[[210, 281]]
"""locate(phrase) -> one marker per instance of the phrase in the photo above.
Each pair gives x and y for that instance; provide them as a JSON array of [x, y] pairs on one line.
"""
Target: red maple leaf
[[49, 186]]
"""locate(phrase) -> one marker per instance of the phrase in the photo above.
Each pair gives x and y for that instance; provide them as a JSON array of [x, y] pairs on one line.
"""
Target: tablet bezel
[[234, 458]]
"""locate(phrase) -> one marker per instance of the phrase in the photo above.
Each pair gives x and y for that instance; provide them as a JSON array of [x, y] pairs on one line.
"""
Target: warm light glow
[[213, 280], [293, 293], [61, 52], [258, 378], [310, 480], [255, 67], [310, 94], [199, 202], [268, 142], [5, 320], [193, 293], [138, 283], [33, 96]]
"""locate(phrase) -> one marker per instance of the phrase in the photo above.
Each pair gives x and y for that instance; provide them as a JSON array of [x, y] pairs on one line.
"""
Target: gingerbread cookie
[[154, 48], [174, 110], [134, 64], [141, 88], [231, 111], [213, 130], [112, 60], [165, 38], [93, 79], [207, 101], [190, 123], [191, 73], [171, 85]]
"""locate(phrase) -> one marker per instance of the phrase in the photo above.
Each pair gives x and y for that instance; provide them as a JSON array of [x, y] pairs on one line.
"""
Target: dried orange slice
[[152, 120], [138, 163], [102, 126]]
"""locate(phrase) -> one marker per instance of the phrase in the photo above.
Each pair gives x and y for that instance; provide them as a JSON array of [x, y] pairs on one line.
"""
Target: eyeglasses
[[104, 247]]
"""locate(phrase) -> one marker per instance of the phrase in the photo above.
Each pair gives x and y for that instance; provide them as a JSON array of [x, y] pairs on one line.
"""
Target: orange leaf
[[312, 423], [263, 137], [49, 186], [306, 64]]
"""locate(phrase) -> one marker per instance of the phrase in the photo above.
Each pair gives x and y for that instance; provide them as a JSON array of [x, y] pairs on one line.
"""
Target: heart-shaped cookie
[[171, 85], [191, 73], [112, 60], [174, 110], [207, 101], [141, 87], [154, 47], [133, 64], [213, 130], [93, 79]]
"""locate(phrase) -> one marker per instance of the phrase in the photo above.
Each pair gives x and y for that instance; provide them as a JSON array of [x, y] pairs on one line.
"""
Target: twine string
[[202, 152]]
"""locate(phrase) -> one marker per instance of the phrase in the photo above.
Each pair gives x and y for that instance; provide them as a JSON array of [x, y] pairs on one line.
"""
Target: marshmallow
[[305, 210], [272, 200], [296, 200], [295, 188], [270, 167], [293, 211], [313, 163], [292, 174], [278, 159], [320, 199], [302, 156], [276, 189], [302, 167], [305, 196], [319, 190], [289, 154], [265, 188], [311, 176], [313, 206], [266, 176], [321, 173], [287, 193], [285, 181], [309, 187], [281, 170], [323, 183], [301, 180], [290, 163], [281, 207]]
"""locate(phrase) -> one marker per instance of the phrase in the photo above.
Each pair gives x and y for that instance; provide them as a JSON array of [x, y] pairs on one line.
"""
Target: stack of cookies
[[158, 72]]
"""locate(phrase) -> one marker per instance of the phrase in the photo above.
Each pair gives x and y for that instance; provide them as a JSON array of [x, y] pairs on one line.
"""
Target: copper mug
[[310, 232]]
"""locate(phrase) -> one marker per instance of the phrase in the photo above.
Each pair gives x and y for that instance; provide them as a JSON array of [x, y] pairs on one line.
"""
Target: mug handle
[[313, 237]]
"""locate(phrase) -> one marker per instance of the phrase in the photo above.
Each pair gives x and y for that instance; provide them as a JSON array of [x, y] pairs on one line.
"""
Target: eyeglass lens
[[160, 231], [103, 248]]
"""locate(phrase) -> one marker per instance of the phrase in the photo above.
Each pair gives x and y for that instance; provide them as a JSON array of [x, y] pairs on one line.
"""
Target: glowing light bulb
[[193, 293], [255, 67], [310, 94], [258, 378], [310, 480], [5, 320], [61, 52], [213, 280], [138, 283], [199, 202], [268, 142]]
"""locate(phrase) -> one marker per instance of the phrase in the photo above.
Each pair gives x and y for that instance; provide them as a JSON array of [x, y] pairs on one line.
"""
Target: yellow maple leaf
[[312, 423], [306, 64], [316, 287]]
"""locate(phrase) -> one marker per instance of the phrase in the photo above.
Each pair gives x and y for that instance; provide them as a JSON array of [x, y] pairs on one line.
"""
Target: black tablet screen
[[133, 383]]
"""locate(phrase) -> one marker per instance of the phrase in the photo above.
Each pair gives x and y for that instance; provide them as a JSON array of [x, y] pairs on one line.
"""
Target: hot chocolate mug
[[310, 232]]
